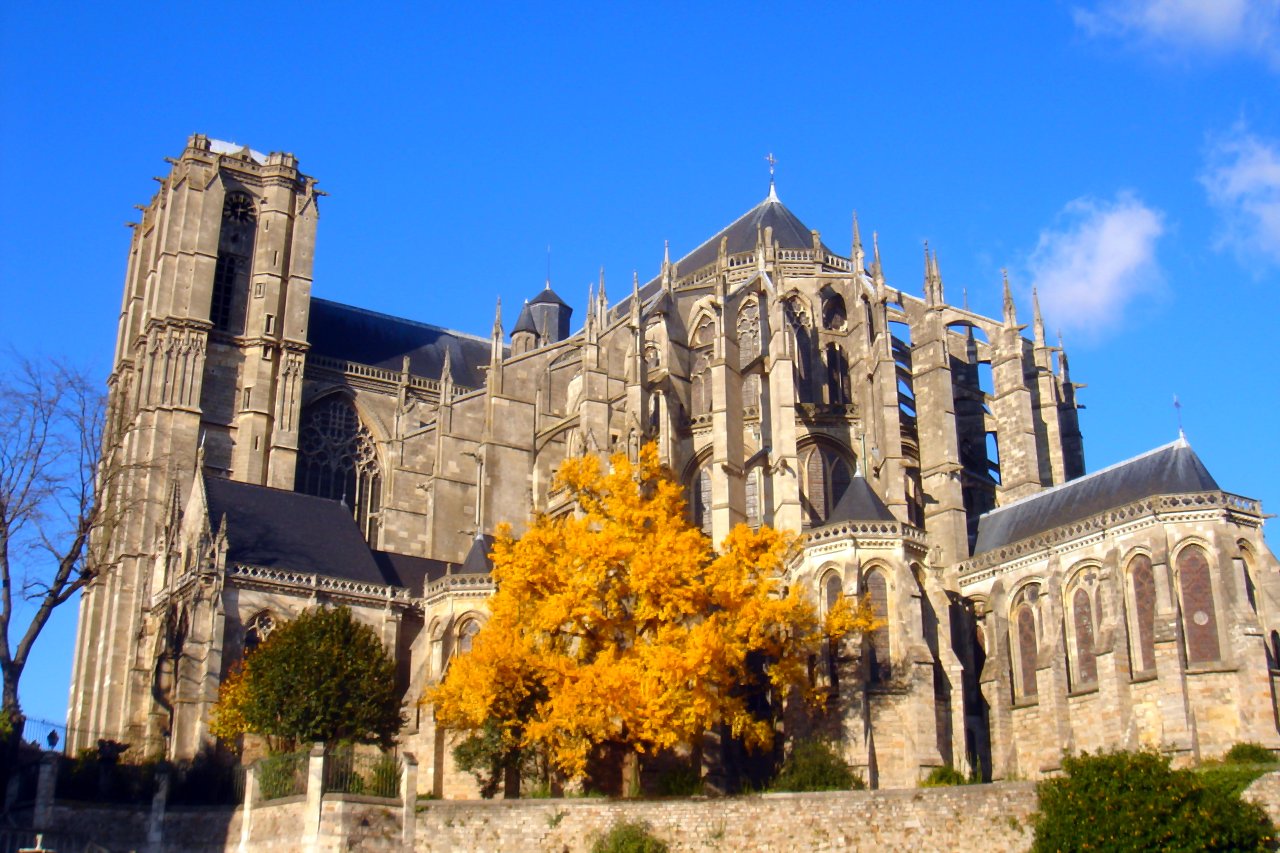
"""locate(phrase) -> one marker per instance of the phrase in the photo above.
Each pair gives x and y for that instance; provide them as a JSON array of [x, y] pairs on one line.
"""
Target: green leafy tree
[[1134, 801], [322, 677]]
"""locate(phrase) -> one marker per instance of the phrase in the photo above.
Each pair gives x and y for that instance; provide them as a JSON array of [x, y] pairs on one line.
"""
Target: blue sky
[[1121, 155]]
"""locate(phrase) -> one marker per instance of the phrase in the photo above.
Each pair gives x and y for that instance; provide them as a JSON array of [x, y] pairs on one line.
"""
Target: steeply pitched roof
[[275, 528], [788, 232], [547, 295], [477, 561], [380, 340], [524, 323], [1171, 469], [859, 503]]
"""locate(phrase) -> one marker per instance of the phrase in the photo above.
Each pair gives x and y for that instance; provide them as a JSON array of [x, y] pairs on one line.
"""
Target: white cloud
[[1191, 26], [1243, 183], [1097, 259]]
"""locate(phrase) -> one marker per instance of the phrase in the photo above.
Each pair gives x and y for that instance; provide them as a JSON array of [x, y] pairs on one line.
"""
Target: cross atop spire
[[772, 161]]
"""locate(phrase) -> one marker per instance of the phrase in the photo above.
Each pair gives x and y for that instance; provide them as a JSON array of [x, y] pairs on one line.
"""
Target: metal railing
[[283, 775], [351, 770]]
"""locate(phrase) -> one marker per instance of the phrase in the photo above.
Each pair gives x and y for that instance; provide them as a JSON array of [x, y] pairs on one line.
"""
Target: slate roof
[[1172, 469], [524, 323], [788, 232], [547, 295], [412, 573], [380, 340], [859, 503], [477, 561], [275, 528]]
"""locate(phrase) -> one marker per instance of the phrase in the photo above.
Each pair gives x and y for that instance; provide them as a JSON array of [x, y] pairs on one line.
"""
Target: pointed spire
[[1037, 319], [877, 271], [592, 309], [773, 190], [635, 298], [1064, 370], [857, 255], [446, 372], [498, 334], [495, 345], [603, 311], [667, 283], [1010, 309]]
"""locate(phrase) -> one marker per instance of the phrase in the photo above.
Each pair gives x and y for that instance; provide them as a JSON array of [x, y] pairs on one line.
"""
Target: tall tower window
[[1199, 616], [702, 500], [337, 459], [1143, 618], [235, 260], [877, 592]]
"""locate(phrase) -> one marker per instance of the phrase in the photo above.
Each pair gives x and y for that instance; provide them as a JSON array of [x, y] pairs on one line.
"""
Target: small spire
[[604, 300], [548, 287], [964, 297], [635, 298], [1063, 368], [1010, 309], [773, 190], [446, 370], [497, 321], [856, 255], [1037, 319], [666, 265]]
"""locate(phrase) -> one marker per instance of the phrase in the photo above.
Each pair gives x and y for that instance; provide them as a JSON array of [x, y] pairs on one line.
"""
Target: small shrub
[[942, 777], [1125, 801], [814, 765], [628, 837], [681, 781], [1249, 753]]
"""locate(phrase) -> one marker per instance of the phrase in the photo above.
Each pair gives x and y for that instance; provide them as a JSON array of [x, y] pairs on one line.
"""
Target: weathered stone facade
[[783, 382]]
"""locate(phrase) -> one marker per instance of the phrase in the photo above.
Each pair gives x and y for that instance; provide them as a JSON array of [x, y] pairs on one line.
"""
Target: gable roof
[[1172, 469], [275, 528], [380, 340]]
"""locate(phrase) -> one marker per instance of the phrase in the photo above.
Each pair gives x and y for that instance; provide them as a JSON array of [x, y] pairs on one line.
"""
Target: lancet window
[[1083, 627], [878, 643], [1142, 633], [700, 367], [700, 499], [748, 349], [802, 333], [1026, 642], [838, 390], [337, 459]]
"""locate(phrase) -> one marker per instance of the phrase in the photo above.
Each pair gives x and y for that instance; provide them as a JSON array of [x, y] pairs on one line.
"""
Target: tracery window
[[700, 367], [1199, 616], [1082, 618], [337, 459], [878, 647], [754, 493], [827, 476]]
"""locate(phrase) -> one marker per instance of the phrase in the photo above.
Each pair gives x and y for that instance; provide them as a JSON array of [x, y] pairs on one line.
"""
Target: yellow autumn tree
[[620, 624]]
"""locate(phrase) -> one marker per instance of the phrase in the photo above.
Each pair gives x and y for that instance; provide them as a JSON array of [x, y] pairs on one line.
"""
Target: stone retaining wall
[[988, 818]]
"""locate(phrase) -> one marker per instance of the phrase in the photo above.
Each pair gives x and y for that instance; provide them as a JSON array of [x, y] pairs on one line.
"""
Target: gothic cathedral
[[290, 451]]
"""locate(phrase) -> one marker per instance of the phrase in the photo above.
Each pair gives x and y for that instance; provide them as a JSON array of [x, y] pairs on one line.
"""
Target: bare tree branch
[[56, 476]]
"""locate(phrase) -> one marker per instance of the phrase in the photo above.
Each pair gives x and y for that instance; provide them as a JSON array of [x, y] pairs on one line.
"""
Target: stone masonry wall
[[991, 818]]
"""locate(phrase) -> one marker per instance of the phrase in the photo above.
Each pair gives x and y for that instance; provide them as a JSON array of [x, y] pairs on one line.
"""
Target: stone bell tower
[[209, 355]]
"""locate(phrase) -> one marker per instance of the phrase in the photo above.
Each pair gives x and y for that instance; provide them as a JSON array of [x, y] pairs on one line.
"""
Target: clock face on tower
[[238, 208]]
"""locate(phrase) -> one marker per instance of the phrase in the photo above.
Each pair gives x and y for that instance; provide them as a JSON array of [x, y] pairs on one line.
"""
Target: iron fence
[[350, 770], [283, 775]]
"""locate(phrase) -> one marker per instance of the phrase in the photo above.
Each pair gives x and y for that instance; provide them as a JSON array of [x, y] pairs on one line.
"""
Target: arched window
[[1082, 622], [257, 630], [867, 319], [754, 488], [1199, 616], [235, 259], [337, 459], [1273, 650], [834, 314], [748, 349], [700, 499], [1028, 650], [832, 589], [838, 390], [827, 476], [1142, 632], [877, 591], [801, 331], [700, 367], [466, 635]]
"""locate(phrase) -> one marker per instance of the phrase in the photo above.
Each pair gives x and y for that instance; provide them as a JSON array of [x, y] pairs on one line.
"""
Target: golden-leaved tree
[[621, 625]]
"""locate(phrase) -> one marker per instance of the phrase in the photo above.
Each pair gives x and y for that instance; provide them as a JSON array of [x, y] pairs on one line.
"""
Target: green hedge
[[1133, 801]]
